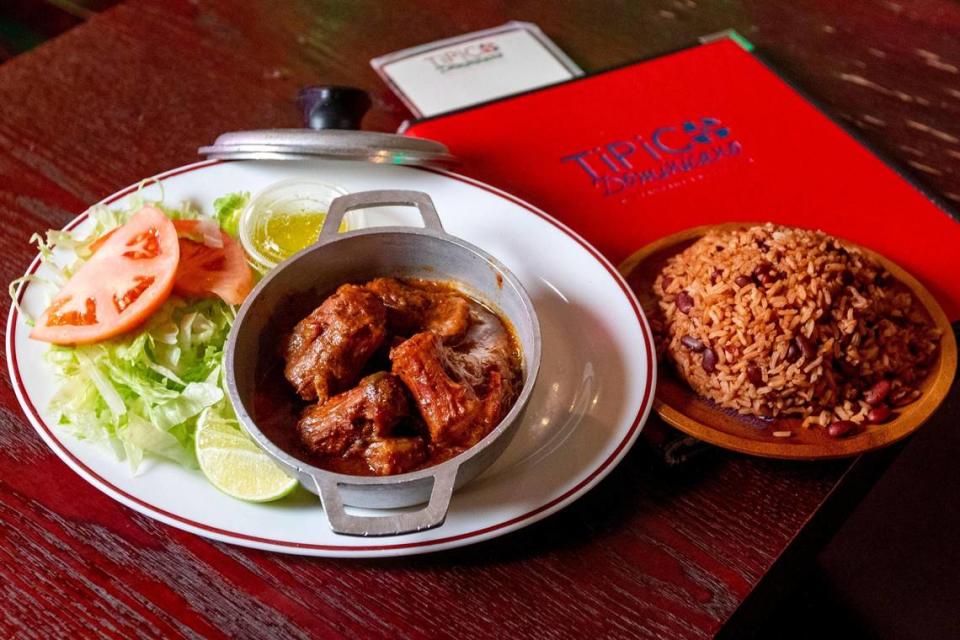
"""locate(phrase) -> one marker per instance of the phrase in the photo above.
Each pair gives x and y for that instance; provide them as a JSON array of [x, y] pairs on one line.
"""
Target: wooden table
[[648, 553]]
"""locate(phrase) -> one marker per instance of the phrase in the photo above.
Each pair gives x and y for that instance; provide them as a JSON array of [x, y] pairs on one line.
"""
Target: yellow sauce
[[280, 234]]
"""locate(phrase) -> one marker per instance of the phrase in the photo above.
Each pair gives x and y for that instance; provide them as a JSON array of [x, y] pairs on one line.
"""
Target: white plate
[[592, 398]]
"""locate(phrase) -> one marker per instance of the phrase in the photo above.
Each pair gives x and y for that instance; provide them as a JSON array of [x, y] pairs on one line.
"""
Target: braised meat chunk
[[411, 309], [360, 423], [448, 317], [354, 418], [454, 372], [496, 402], [390, 456], [448, 404], [327, 350]]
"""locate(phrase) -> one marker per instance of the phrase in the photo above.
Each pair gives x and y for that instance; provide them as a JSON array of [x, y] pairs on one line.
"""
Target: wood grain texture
[[649, 553]]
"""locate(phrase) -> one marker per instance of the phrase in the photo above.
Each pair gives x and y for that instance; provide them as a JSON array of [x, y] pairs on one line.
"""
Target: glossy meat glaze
[[400, 374]]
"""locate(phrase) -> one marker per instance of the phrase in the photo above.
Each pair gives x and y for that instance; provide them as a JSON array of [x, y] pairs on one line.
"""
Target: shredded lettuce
[[142, 393], [131, 391], [227, 210]]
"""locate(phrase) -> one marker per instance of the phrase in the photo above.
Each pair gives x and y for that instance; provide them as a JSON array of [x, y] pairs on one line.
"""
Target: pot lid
[[333, 115]]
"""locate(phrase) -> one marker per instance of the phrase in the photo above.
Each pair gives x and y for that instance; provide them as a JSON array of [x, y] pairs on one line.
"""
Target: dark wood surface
[[24, 24], [649, 553]]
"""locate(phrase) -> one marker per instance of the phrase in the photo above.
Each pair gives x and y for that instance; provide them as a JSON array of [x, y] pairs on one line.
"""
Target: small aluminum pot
[[359, 256]]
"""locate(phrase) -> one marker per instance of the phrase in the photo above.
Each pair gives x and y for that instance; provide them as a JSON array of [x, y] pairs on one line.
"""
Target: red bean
[[715, 275], [754, 375], [793, 352], [879, 415], [806, 347], [666, 282], [692, 343], [709, 362], [684, 302], [743, 281], [877, 393], [900, 397], [841, 429], [760, 272], [765, 273]]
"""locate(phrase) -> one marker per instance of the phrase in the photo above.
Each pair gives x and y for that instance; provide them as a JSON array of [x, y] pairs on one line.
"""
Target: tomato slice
[[205, 271], [211, 271], [102, 240], [118, 288]]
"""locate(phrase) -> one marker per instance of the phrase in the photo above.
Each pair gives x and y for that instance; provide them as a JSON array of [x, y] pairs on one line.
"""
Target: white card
[[474, 68]]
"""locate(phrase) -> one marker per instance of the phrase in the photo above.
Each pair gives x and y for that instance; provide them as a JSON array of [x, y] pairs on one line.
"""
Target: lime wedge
[[234, 463]]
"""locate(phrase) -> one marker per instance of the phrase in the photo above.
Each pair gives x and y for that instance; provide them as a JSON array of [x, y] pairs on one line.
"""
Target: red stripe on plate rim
[[231, 536]]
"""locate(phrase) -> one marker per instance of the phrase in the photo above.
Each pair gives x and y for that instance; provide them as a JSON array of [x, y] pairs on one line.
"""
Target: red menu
[[708, 134]]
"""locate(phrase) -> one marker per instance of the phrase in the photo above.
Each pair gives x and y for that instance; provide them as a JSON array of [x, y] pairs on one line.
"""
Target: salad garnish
[[143, 363]]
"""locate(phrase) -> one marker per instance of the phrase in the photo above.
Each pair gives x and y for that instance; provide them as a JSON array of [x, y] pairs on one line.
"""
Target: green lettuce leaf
[[227, 210]]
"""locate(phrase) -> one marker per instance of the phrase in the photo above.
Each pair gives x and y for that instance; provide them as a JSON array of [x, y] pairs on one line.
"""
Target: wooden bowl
[[682, 408]]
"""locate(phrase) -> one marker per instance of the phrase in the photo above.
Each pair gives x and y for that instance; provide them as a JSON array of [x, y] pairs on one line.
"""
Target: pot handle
[[430, 516], [381, 198]]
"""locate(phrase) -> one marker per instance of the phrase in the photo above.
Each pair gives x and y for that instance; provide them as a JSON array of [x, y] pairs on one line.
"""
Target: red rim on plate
[[240, 538]]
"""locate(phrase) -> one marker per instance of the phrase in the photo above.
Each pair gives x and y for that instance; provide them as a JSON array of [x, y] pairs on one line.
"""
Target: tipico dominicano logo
[[464, 56], [667, 152]]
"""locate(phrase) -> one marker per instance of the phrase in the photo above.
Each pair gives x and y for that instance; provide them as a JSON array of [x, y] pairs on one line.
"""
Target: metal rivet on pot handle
[[383, 198], [428, 517]]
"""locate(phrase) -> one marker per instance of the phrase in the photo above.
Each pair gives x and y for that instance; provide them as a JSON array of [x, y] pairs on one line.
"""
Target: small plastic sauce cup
[[284, 218]]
